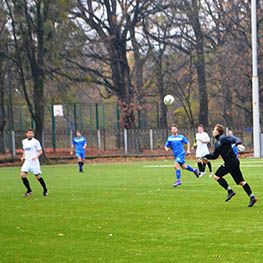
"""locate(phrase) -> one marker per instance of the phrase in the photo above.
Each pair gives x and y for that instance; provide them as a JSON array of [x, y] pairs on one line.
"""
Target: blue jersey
[[176, 144], [79, 143]]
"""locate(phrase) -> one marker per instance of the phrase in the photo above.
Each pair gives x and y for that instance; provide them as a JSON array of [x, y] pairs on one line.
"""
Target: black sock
[[26, 184], [209, 167], [224, 184], [247, 189], [42, 182], [204, 165], [200, 166], [81, 165]]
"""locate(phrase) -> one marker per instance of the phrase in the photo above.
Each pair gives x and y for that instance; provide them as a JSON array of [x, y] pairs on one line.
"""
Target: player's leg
[[239, 179], [201, 167], [222, 171], [208, 163], [37, 172], [210, 168], [23, 175], [180, 159], [177, 175], [25, 181], [80, 161], [82, 156], [43, 184]]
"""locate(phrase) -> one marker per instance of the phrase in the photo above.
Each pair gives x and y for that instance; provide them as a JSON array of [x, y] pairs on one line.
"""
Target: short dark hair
[[230, 129], [220, 128], [30, 129], [200, 125], [173, 125]]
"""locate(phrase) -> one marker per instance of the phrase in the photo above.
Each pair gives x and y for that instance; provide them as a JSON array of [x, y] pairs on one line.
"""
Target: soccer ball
[[241, 148], [168, 100]]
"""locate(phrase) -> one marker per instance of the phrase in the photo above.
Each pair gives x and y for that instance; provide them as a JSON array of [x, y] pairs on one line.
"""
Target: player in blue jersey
[[176, 143], [79, 144]]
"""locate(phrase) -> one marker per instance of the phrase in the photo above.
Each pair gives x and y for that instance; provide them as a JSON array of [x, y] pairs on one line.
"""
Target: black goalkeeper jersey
[[223, 147]]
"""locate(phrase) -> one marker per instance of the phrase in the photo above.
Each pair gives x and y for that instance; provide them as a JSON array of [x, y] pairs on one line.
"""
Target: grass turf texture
[[129, 212]]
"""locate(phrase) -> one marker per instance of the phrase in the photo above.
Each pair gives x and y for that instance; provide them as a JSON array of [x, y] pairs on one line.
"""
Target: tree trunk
[[200, 64], [161, 89], [2, 110], [39, 107], [203, 100], [227, 96], [122, 81]]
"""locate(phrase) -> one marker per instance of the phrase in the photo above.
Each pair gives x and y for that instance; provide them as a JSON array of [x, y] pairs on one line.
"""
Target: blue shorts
[[80, 154], [180, 158]]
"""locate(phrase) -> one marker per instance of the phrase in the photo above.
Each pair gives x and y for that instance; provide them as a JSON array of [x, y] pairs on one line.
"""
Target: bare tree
[[110, 25], [3, 72], [31, 26]]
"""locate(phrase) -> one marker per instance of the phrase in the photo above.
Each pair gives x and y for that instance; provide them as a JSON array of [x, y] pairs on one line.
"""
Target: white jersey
[[201, 147], [31, 148]]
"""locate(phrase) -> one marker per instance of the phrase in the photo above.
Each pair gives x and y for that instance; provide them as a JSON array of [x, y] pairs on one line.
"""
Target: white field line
[[172, 165]]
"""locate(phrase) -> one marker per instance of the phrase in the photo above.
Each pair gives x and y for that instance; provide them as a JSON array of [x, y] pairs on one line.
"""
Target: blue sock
[[189, 168], [178, 174]]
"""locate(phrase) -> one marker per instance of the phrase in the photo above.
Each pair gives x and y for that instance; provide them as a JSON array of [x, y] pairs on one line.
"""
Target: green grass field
[[128, 212]]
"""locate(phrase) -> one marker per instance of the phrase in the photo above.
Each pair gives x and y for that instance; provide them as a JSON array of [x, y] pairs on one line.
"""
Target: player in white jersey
[[202, 139], [31, 152]]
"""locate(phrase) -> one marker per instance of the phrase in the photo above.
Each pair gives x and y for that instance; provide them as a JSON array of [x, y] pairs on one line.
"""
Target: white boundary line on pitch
[[172, 165]]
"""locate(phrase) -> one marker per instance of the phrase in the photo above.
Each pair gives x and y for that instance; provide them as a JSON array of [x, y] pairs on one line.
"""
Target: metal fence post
[[70, 137], [13, 145], [151, 139], [97, 115], [261, 142], [125, 141], [103, 116], [53, 129], [99, 138]]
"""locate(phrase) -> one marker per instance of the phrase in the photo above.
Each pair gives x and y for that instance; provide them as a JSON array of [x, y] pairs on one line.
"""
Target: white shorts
[[31, 166], [201, 153]]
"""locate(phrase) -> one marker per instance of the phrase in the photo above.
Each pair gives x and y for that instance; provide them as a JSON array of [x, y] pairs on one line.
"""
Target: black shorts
[[232, 167]]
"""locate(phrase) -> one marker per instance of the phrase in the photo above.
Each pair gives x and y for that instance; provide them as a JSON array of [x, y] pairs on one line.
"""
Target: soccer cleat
[[45, 193], [177, 183], [196, 172], [27, 194], [230, 195], [201, 174], [211, 174], [252, 201]]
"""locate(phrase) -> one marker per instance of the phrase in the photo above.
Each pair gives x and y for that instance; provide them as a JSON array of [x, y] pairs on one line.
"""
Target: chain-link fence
[[111, 142], [86, 116]]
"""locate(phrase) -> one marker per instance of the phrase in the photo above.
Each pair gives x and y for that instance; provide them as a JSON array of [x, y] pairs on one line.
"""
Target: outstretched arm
[[72, 149], [212, 156], [188, 148], [166, 148]]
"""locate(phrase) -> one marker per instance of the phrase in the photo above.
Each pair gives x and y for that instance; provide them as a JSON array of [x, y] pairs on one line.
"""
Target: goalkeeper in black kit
[[223, 147]]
